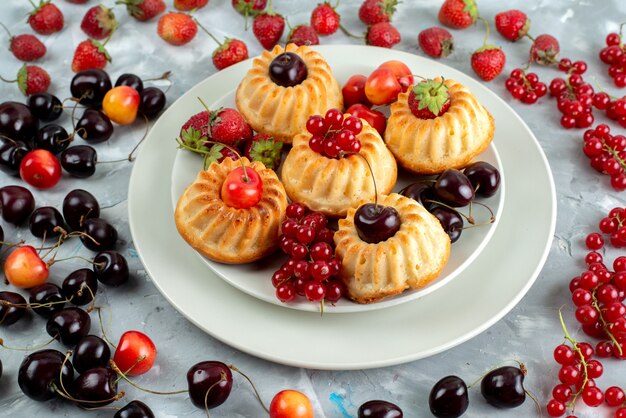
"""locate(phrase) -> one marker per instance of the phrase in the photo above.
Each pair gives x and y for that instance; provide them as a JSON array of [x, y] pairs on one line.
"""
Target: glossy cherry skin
[[17, 122], [80, 286], [45, 106], [120, 104], [242, 189], [90, 352], [376, 223], [291, 404], [288, 70], [53, 138], [97, 385], [379, 409], [135, 353], [449, 398], [421, 192], [69, 325], [79, 161], [353, 91], [24, 268], [454, 188], [130, 80], [152, 101], [94, 126], [43, 220], [49, 295], [382, 86], [11, 155], [13, 311], [504, 387], [41, 169], [111, 268], [403, 73], [102, 232], [484, 177], [90, 86], [134, 409], [41, 370], [79, 205], [201, 376], [376, 119], [451, 222], [17, 203]]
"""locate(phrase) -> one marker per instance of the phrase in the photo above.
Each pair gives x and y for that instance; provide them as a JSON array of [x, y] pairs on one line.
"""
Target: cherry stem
[[256, 392], [486, 29], [67, 396], [123, 376], [521, 366], [104, 334], [166, 77], [372, 172], [349, 34], [535, 400], [35, 305], [9, 246], [145, 134], [8, 139], [37, 347], [207, 32], [7, 81], [223, 378]]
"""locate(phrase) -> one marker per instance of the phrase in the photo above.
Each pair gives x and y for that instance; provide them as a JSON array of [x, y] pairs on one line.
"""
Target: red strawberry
[[218, 153], [32, 79], [27, 47], [249, 7], [512, 24], [230, 52], [143, 9], [436, 42], [265, 149], [46, 18], [99, 22], [429, 99], [195, 131], [324, 19], [186, 5], [78, 1], [177, 28], [488, 61], [458, 14], [268, 28], [227, 126], [90, 54], [376, 11], [383, 34], [303, 35], [545, 49]]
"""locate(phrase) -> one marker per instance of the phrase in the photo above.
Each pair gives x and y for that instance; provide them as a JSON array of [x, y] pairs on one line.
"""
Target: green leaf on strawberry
[[214, 155], [22, 79], [431, 95], [471, 8], [101, 49], [194, 140], [265, 149]]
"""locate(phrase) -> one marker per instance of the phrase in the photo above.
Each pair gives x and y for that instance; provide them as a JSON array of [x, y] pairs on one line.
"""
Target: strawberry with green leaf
[[195, 132], [90, 54], [264, 148], [429, 99], [458, 14]]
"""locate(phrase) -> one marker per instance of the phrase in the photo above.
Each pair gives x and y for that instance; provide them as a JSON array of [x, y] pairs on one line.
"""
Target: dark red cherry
[[111, 268], [130, 80], [49, 295], [45, 106], [379, 409], [69, 325], [504, 387], [79, 205], [375, 223], [449, 398], [288, 70], [454, 188], [484, 177], [12, 307], [97, 386], [80, 286], [90, 352], [90, 86], [421, 192], [94, 126], [152, 101], [53, 138], [79, 161], [11, 155], [102, 235], [17, 203], [450, 220], [43, 220], [0, 368], [42, 371], [17, 122], [134, 409], [204, 376]]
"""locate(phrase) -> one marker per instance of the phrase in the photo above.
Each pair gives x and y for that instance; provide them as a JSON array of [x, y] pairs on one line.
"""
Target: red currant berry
[[334, 290], [595, 330], [604, 349], [518, 92], [300, 284], [579, 67], [595, 267], [325, 235], [601, 100], [331, 148], [608, 225], [541, 89], [581, 384], [619, 326], [517, 74], [593, 396], [286, 292], [620, 413], [301, 270], [620, 80], [613, 311], [316, 143], [322, 251], [607, 293], [593, 147], [582, 297], [295, 210], [614, 396], [345, 139], [320, 270], [315, 125], [594, 369], [589, 280], [314, 291], [619, 182], [569, 374], [556, 408], [619, 264], [568, 122], [335, 266], [532, 79], [575, 80], [613, 39], [279, 277], [356, 146], [586, 350], [557, 86], [594, 241], [593, 257], [585, 120], [564, 355], [353, 124], [561, 392], [289, 228], [305, 234], [299, 251], [587, 315], [574, 284], [616, 213], [333, 119], [565, 64], [529, 97], [286, 244], [510, 84]]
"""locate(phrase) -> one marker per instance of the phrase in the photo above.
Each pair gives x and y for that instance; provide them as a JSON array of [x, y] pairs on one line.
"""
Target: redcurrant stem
[[207, 32], [123, 376], [322, 307], [256, 392], [599, 86], [37, 347], [577, 350], [145, 133], [605, 326], [615, 154]]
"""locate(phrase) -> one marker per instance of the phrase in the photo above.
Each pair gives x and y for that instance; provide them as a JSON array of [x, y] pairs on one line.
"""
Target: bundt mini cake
[[284, 87], [437, 125], [228, 234], [332, 185], [389, 247]]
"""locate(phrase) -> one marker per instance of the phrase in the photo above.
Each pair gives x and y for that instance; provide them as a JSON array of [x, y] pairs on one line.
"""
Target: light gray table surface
[[529, 332]]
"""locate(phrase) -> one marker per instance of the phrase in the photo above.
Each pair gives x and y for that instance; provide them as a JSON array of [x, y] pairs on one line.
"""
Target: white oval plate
[[489, 288], [255, 278]]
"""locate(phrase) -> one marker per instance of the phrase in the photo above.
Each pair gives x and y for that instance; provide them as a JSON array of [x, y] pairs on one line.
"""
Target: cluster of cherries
[[525, 87], [606, 153], [311, 269], [333, 135], [613, 54], [574, 98]]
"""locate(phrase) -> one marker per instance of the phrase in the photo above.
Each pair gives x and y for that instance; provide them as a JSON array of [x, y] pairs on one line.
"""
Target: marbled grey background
[[528, 333]]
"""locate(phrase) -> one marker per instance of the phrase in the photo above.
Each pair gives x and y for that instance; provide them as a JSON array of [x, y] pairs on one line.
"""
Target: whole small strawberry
[[376, 11], [32, 79], [268, 27], [143, 10], [195, 131], [249, 7], [90, 54], [488, 62], [512, 24], [303, 35], [99, 22], [383, 34], [227, 126], [324, 19], [46, 18], [429, 99], [230, 52], [458, 14], [436, 42], [27, 47], [186, 5], [545, 50], [264, 148], [177, 28]]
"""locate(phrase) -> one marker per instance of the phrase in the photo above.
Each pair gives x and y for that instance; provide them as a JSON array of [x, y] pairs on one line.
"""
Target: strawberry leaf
[[193, 138], [268, 151], [101, 49], [214, 154], [471, 8], [432, 95], [22, 79]]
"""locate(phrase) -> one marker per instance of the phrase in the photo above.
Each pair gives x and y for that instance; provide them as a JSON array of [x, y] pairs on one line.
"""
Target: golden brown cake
[[452, 140], [280, 111], [332, 186], [410, 259], [226, 234]]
